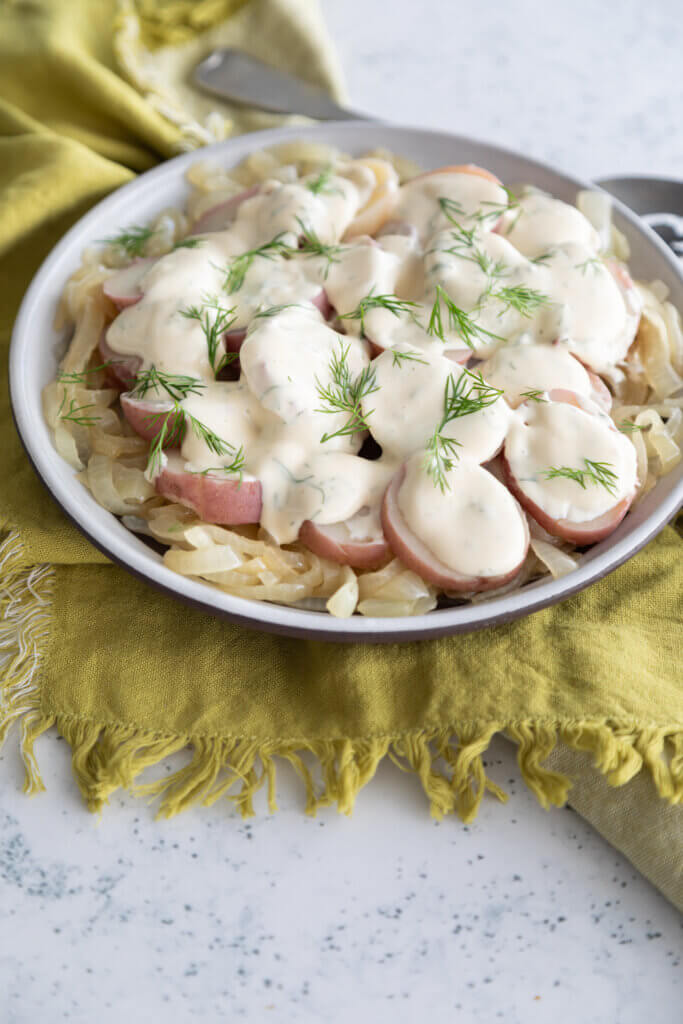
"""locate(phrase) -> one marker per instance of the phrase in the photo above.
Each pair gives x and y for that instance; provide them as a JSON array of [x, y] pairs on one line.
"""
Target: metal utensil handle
[[242, 79]]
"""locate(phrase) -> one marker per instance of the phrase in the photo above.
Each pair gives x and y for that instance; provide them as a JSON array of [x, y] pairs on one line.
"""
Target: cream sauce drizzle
[[474, 527], [556, 434], [274, 412]]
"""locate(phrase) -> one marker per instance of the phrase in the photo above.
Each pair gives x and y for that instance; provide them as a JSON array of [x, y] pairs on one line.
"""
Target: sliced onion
[[558, 562], [205, 561], [65, 443], [343, 602]]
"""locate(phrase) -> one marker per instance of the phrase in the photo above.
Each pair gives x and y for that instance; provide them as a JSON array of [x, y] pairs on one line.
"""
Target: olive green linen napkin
[[129, 676]]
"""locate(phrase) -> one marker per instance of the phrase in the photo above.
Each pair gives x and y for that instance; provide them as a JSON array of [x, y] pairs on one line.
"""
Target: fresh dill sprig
[[214, 319], [399, 358], [542, 259], [525, 300], [371, 301], [458, 320], [322, 185], [131, 240], [177, 386], [496, 210], [189, 243], [441, 455], [239, 266], [595, 472], [81, 377], [593, 263], [234, 468], [310, 245], [451, 210], [269, 311], [174, 423], [628, 426], [346, 393], [468, 394], [76, 413], [533, 395]]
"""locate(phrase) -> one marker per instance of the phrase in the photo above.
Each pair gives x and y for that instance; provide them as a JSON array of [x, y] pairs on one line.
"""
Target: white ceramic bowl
[[36, 348]]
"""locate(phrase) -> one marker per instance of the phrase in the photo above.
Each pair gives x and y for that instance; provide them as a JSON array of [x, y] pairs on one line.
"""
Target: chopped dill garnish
[[451, 210], [345, 394], [458, 400], [525, 300], [595, 472], [239, 266], [189, 243], [543, 257], [459, 321], [533, 395], [269, 311], [174, 423], [399, 358], [371, 301], [214, 319], [322, 185], [496, 210], [81, 377], [177, 386], [234, 468], [132, 240], [628, 426], [593, 263], [310, 245], [76, 413]]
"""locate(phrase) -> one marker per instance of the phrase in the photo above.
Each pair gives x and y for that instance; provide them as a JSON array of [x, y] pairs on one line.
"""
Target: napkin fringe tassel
[[449, 762]]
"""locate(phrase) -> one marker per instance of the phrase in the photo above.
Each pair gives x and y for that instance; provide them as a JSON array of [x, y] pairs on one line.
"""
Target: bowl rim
[[60, 481]]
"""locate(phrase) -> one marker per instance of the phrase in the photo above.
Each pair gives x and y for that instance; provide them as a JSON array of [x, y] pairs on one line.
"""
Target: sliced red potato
[[583, 533], [123, 287], [221, 216], [225, 501], [474, 169], [416, 555], [232, 340], [122, 369], [600, 393], [147, 418], [358, 542]]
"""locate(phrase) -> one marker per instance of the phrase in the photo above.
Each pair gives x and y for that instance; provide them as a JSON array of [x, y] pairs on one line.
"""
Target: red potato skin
[[359, 555], [414, 554], [122, 370], [119, 291], [583, 534], [600, 393], [474, 169], [224, 502], [219, 217], [147, 418]]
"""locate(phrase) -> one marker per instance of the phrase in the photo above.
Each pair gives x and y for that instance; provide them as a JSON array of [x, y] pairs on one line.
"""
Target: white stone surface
[[526, 916]]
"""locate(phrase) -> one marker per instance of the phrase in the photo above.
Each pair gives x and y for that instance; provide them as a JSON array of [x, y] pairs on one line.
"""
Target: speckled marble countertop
[[524, 916]]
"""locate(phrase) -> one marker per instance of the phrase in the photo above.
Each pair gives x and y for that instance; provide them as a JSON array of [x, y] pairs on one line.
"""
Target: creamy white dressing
[[474, 526], [409, 405], [539, 223], [596, 323], [525, 366], [276, 412], [557, 435], [470, 196]]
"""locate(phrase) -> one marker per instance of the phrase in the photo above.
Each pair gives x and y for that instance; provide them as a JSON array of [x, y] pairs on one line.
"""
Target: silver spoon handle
[[235, 76]]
